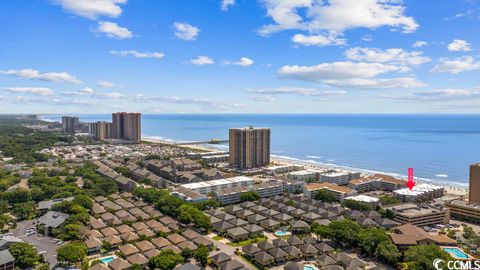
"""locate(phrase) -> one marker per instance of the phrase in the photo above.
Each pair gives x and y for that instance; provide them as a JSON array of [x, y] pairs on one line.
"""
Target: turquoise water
[[281, 233], [309, 267], [457, 253], [438, 147], [107, 260]]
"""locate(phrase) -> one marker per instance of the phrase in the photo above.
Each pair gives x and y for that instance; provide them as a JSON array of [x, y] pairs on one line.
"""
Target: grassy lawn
[[218, 237], [248, 242]]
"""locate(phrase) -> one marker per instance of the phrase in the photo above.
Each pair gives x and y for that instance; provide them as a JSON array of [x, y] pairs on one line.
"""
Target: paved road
[[42, 243], [230, 251]]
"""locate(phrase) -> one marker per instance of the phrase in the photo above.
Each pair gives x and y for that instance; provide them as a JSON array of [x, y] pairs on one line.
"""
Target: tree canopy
[[25, 254], [165, 260]]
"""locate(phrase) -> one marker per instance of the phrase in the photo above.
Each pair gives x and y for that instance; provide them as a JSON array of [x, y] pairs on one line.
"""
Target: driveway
[[230, 251], [42, 243]]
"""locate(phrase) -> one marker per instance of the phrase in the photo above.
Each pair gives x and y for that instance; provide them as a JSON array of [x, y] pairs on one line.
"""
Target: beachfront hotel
[[207, 187], [420, 192], [126, 126], [249, 147], [68, 124], [474, 185]]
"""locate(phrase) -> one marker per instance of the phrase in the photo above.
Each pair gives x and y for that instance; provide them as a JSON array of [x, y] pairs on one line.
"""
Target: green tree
[[249, 196], [72, 252], [387, 252], [165, 260], [169, 204], [4, 220], [201, 255], [23, 210], [345, 232], [325, 196], [72, 232], [356, 205], [421, 257], [388, 200], [83, 200], [25, 255]]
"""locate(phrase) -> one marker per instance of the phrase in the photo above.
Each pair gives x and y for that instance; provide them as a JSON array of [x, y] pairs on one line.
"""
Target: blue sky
[[240, 56]]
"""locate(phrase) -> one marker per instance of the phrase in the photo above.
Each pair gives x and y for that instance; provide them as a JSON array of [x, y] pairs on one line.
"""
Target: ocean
[[440, 148]]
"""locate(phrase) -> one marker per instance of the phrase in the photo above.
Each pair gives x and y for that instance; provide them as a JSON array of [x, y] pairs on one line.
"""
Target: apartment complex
[[468, 211], [376, 182], [126, 126], [207, 187], [249, 147], [264, 189], [474, 185], [101, 130], [340, 192], [420, 215], [68, 124], [408, 235], [338, 177], [420, 192]]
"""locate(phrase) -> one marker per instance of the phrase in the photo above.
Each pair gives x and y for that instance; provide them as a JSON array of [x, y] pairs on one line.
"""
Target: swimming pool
[[309, 267], [106, 260], [456, 253], [282, 233]]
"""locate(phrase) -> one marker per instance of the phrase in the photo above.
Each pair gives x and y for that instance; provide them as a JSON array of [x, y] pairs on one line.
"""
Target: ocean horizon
[[440, 148]]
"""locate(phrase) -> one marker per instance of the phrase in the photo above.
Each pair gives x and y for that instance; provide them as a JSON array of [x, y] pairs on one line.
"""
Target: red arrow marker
[[410, 183]]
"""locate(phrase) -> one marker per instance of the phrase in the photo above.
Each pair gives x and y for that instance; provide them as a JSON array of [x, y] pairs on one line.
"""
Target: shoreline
[[450, 188]]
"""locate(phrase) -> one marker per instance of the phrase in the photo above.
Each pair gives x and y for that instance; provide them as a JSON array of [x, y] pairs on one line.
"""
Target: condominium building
[[420, 192], [264, 189], [273, 170], [340, 192], [304, 175], [101, 130], [376, 182], [338, 177], [468, 211], [126, 126], [68, 124], [420, 215], [207, 187], [249, 147], [474, 185]]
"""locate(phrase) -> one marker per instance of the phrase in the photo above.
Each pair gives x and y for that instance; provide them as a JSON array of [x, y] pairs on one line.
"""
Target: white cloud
[[438, 94], [336, 16], [457, 65], [244, 62], [186, 31], [92, 8], [86, 91], [263, 98], [105, 84], [318, 40], [32, 74], [225, 4], [458, 45], [41, 91], [138, 54], [202, 60], [111, 95], [112, 30], [350, 74], [394, 56], [301, 91], [419, 44]]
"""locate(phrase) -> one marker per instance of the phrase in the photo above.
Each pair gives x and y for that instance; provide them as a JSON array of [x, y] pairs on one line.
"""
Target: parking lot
[[45, 245]]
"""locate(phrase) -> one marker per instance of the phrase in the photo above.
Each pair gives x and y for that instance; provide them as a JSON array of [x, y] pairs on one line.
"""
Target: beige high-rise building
[[126, 126], [103, 130], [474, 185], [249, 147]]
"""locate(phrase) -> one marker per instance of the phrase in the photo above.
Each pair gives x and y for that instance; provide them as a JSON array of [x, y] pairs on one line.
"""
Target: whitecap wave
[[314, 157], [441, 175]]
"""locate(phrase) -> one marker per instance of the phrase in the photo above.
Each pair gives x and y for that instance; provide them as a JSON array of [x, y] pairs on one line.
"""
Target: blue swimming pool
[[309, 267], [106, 260], [456, 253], [281, 233]]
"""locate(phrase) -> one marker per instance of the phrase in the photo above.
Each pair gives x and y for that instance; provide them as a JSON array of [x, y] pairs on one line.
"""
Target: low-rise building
[[408, 235], [365, 199], [376, 182], [340, 192], [264, 189], [7, 262], [304, 175], [420, 215], [188, 195], [338, 177], [45, 206], [207, 187], [420, 192], [464, 210], [274, 170], [51, 220]]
